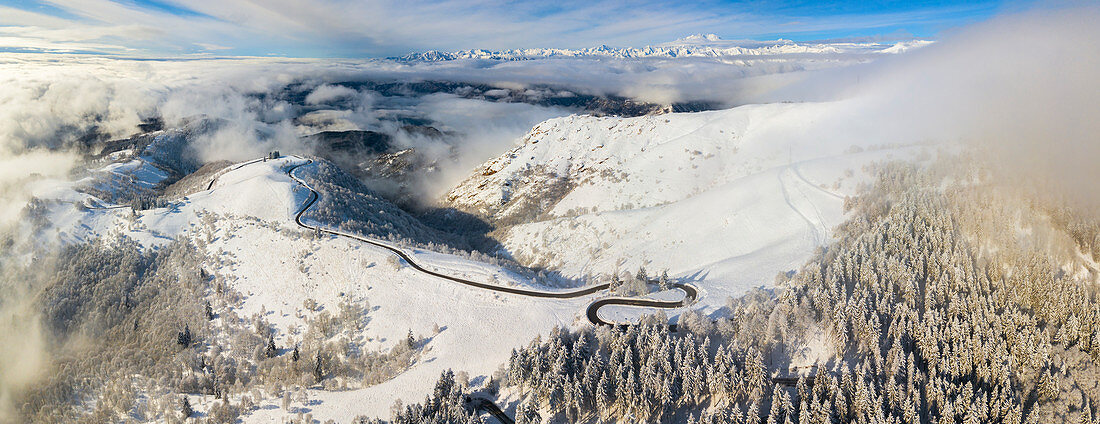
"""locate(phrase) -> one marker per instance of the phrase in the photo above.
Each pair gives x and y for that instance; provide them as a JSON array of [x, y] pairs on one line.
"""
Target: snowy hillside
[[700, 45], [729, 198], [245, 223], [723, 200]]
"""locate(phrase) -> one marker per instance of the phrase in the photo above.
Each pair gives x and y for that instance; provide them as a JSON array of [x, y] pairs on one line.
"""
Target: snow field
[[726, 199]]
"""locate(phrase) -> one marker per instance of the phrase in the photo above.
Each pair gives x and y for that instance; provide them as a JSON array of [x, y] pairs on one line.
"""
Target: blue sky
[[379, 28]]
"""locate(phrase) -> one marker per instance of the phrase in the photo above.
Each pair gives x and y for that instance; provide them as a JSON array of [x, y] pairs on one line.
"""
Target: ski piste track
[[592, 312]]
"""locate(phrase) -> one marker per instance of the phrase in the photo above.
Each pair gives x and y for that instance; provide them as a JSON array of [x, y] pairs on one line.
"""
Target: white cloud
[[1014, 79], [212, 47], [486, 130], [327, 93], [48, 101], [1024, 86], [390, 27]]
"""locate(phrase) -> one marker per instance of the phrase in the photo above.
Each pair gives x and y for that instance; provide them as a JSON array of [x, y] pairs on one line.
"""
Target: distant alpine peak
[[697, 45], [700, 37]]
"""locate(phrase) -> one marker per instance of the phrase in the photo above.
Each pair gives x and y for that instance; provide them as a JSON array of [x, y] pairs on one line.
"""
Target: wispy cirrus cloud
[[325, 28]]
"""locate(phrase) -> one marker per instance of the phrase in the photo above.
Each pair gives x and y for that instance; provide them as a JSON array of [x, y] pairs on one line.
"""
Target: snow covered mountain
[[699, 45], [556, 235], [724, 200], [243, 220], [728, 197]]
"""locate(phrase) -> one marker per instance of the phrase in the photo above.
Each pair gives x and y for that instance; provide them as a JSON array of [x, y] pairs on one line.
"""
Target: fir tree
[[271, 350], [185, 407], [527, 413], [318, 371], [183, 338]]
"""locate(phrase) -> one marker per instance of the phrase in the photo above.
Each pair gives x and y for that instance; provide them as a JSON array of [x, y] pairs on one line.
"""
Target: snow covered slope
[[728, 197], [245, 224], [725, 199]]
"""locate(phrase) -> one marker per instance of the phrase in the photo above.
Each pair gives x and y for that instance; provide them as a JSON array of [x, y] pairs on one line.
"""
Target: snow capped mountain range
[[698, 45]]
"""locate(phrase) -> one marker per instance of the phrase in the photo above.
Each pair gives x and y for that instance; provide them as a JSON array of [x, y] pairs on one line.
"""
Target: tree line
[[946, 298]]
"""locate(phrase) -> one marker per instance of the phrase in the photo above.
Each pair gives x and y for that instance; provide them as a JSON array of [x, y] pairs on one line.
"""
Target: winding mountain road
[[592, 312], [593, 309], [482, 404], [230, 169]]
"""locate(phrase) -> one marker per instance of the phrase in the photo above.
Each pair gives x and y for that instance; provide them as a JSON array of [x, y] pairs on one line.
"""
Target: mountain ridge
[[698, 45]]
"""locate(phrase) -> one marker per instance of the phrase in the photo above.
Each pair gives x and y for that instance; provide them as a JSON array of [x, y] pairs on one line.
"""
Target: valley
[[528, 213]]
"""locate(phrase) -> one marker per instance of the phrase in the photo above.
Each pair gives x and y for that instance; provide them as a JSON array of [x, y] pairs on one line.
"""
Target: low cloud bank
[[51, 104], [1023, 86], [22, 350], [1023, 82], [1028, 86]]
